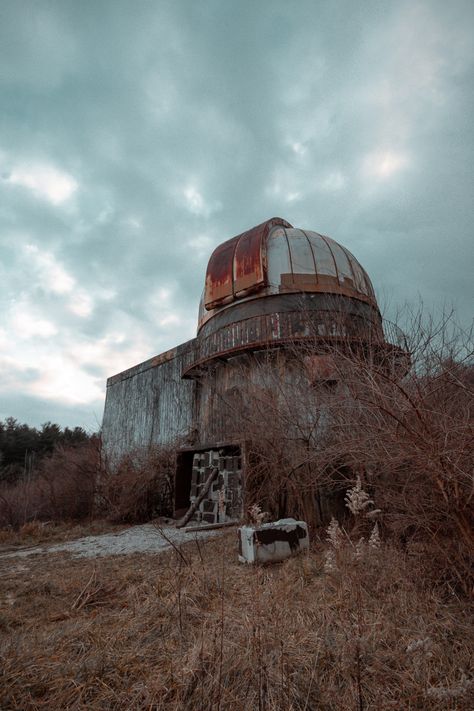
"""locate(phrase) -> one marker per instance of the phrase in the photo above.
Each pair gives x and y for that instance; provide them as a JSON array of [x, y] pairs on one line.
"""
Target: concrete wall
[[255, 392], [149, 404], [267, 394]]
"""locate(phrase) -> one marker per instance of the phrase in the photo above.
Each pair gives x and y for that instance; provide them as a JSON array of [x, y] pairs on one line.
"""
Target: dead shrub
[[61, 488], [140, 488], [411, 440], [403, 421]]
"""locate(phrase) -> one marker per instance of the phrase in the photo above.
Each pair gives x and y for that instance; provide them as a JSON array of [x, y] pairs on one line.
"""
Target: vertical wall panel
[[149, 404]]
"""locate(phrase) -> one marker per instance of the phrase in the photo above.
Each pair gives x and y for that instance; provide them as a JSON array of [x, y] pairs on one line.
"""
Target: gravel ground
[[138, 539]]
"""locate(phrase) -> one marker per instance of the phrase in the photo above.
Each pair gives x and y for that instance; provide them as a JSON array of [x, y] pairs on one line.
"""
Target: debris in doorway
[[222, 501], [197, 501]]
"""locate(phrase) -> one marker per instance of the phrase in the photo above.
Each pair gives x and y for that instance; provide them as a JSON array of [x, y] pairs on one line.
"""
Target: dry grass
[[193, 629]]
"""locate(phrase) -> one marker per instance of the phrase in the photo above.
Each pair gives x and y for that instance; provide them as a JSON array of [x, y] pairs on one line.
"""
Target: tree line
[[22, 448]]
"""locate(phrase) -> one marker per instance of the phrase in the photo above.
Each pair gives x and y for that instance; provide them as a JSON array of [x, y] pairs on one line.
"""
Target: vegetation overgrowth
[[401, 421], [22, 448]]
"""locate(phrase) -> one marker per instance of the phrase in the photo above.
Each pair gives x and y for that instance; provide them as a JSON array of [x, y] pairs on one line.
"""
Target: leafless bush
[[411, 438], [72, 484], [321, 413], [141, 487], [61, 488]]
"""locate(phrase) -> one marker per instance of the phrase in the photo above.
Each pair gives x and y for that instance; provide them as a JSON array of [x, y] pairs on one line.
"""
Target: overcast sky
[[138, 134]]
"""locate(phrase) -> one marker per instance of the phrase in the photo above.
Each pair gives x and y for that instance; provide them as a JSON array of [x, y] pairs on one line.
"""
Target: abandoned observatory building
[[265, 290]]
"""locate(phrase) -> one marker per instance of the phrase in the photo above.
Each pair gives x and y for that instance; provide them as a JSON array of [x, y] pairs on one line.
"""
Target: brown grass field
[[194, 629]]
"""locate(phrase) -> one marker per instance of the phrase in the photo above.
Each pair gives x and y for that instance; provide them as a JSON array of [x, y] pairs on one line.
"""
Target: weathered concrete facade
[[265, 291], [149, 404]]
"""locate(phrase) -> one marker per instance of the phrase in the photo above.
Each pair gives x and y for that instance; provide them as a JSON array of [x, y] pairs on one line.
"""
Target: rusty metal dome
[[276, 258], [274, 286]]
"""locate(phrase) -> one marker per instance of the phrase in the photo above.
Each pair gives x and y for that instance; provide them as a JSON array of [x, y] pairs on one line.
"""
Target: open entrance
[[182, 483], [223, 501]]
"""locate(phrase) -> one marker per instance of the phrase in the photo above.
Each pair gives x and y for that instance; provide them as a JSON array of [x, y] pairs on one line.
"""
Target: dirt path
[[138, 539]]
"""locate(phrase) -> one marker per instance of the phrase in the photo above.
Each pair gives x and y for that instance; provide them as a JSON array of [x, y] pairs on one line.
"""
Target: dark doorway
[[182, 482]]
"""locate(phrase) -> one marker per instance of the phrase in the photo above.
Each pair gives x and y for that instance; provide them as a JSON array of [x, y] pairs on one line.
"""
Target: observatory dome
[[276, 258], [276, 285]]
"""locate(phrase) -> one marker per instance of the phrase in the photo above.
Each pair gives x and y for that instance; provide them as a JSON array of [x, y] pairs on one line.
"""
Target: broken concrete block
[[272, 542]]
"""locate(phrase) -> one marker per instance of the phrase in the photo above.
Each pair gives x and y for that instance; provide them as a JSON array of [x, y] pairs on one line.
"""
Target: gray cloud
[[135, 136]]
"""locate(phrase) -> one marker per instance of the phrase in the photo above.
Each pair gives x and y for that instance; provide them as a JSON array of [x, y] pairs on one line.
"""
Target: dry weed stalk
[[256, 515], [92, 594]]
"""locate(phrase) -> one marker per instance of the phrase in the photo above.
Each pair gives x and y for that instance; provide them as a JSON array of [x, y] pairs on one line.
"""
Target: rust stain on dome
[[276, 258], [237, 267]]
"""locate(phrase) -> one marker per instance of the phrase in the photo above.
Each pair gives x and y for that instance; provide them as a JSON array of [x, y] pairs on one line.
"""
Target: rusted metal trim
[[203, 446], [324, 287], [322, 341], [179, 351], [223, 273], [272, 329], [292, 301]]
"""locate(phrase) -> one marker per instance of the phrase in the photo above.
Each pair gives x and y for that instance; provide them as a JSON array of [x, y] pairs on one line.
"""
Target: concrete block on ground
[[272, 542]]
